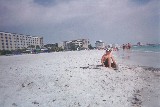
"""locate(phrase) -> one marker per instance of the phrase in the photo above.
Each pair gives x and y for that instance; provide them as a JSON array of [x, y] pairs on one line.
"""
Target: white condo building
[[99, 44], [13, 41], [83, 43]]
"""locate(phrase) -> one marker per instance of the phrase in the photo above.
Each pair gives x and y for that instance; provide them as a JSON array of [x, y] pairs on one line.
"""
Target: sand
[[75, 79]]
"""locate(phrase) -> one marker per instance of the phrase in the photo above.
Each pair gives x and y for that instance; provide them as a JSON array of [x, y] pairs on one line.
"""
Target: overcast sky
[[112, 21]]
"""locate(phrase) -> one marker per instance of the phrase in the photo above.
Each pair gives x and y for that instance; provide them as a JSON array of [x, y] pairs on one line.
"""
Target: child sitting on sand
[[108, 60]]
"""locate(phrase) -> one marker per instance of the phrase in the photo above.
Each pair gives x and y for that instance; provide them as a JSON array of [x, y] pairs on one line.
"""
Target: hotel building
[[13, 41], [79, 43], [100, 45]]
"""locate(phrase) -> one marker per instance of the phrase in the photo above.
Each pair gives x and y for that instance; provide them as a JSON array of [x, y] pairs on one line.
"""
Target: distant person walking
[[123, 47], [129, 46]]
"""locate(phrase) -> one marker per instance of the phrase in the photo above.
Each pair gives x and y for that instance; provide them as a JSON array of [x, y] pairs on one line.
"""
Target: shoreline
[[136, 58], [72, 79]]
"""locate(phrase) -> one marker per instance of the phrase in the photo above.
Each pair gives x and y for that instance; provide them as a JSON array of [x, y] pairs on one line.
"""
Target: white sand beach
[[75, 79]]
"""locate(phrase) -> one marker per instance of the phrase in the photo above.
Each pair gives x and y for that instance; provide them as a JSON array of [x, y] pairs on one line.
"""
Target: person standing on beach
[[108, 60], [123, 47], [129, 46]]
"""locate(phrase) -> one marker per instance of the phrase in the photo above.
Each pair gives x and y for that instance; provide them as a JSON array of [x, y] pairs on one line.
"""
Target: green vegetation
[[8, 52], [53, 47], [5, 52], [48, 47], [90, 46]]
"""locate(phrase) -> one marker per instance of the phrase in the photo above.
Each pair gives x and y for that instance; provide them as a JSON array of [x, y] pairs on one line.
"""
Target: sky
[[112, 21]]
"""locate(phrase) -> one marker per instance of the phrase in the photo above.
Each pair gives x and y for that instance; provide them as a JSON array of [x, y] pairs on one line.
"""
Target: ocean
[[147, 48], [148, 56]]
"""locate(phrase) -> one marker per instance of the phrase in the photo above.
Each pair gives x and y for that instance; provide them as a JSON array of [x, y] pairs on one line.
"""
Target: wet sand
[[74, 79]]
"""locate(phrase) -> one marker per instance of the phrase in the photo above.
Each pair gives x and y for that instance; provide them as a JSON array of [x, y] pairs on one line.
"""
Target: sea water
[[147, 48], [140, 55]]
